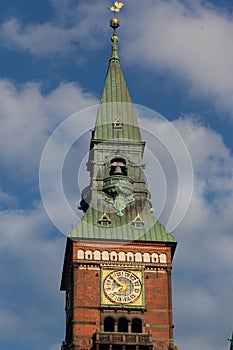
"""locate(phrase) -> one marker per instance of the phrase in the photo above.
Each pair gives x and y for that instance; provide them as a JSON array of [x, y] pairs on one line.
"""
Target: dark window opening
[[130, 347], [103, 223], [136, 325], [122, 325], [138, 224], [116, 347], [109, 324], [104, 347]]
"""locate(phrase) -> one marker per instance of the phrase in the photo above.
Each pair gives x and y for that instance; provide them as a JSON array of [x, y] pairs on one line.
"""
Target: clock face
[[122, 287]]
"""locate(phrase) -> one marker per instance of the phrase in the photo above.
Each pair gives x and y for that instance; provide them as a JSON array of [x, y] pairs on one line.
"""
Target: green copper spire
[[116, 118], [116, 203]]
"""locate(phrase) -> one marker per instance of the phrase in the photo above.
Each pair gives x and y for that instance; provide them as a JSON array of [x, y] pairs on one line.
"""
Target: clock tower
[[118, 258]]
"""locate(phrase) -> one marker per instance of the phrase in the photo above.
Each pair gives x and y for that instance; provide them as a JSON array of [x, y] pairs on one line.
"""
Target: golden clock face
[[122, 286]]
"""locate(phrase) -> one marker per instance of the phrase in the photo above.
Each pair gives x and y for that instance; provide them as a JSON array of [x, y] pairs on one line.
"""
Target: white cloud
[[7, 200], [210, 208], [28, 117], [190, 41], [31, 262], [38, 39], [167, 157], [72, 27], [203, 263]]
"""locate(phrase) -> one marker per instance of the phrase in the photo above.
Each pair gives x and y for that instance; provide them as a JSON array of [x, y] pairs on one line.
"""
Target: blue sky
[[177, 57]]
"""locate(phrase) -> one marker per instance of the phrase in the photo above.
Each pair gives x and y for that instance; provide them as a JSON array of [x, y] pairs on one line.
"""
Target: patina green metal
[[121, 195], [115, 104], [121, 225], [114, 47]]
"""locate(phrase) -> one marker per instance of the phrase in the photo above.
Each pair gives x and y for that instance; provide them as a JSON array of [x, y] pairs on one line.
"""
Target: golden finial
[[114, 22]]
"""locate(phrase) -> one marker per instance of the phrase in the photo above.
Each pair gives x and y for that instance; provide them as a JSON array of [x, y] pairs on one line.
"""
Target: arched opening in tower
[[136, 325], [122, 325], [109, 324]]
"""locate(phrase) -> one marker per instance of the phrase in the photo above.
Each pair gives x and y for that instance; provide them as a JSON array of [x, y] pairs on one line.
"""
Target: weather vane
[[117, 7], [114, 22]]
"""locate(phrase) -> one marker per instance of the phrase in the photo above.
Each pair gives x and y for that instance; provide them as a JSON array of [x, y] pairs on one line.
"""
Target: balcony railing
[[122, 338]]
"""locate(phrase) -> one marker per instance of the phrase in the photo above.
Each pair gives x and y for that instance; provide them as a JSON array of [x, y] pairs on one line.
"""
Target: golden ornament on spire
[[117, 7], [114, 22]]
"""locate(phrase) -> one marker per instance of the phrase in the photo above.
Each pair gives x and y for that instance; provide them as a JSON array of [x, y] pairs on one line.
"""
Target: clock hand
[[123, 287], [117, 281], [117, 289]]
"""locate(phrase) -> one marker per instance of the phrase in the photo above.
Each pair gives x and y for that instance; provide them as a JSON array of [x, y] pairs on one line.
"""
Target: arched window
[[105, 255], [163, 258], [146, 257], [113, 255], [80, 254], [136, 325], [138, 256], [154, 257], [130, 256], [122, 325], [97, 255], [109, 324], [122, 256], [88, 254], [118, 167]]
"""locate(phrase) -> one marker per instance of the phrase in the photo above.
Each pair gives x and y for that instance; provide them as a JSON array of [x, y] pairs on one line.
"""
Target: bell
[[118, 171]]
